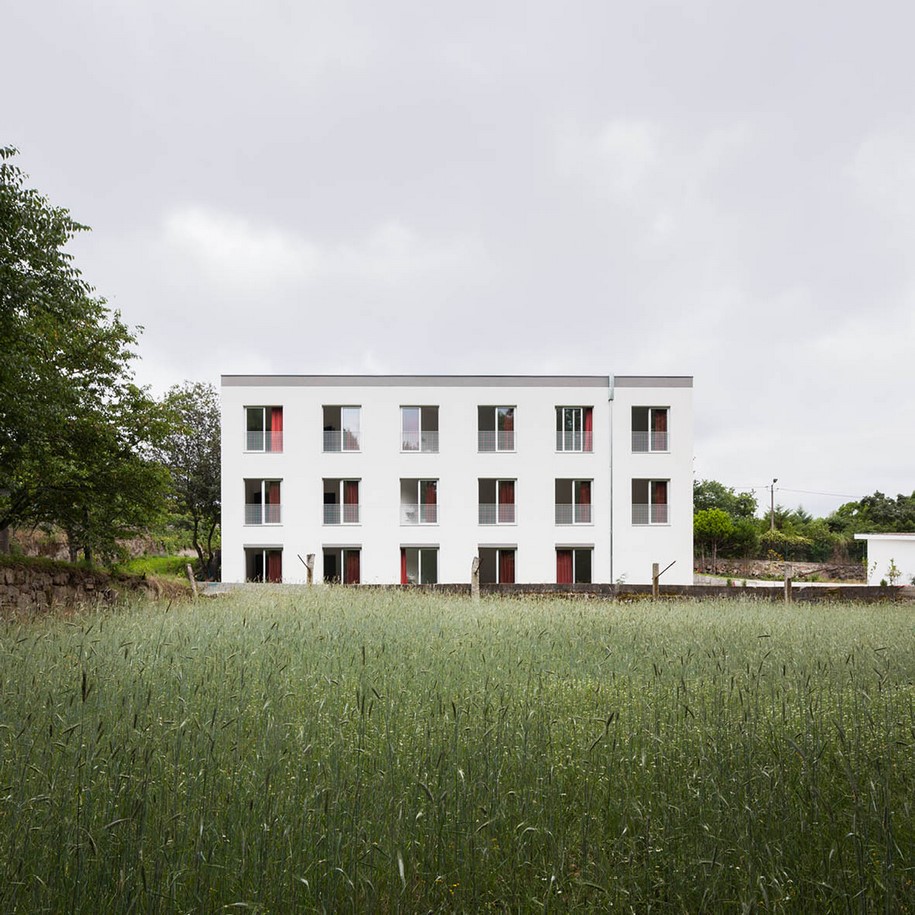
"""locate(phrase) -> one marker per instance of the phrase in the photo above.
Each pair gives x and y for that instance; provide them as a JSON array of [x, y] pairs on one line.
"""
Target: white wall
[[884, 549], [636, 547], [380, 465]]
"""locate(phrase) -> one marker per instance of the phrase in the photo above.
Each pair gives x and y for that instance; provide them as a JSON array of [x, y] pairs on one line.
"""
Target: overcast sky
[[718, 189]]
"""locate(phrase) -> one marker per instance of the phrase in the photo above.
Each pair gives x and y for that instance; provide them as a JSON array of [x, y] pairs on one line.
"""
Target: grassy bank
[[341, 751]]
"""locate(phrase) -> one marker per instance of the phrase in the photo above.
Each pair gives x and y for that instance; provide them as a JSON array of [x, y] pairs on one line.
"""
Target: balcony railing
[[496, 514], [347, 440], [650, 514], [574, 441], [418, 514], [341, 514], [420, 441], [650, 441], [255, 513], [495, 441], [567, 513], [264, 441]]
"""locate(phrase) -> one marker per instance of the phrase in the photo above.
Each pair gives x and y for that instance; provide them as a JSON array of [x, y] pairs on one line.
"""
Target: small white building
[[886, 552], [405, 479]]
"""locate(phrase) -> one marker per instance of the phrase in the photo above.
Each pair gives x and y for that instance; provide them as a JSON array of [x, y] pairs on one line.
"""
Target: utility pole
[[772, 504]]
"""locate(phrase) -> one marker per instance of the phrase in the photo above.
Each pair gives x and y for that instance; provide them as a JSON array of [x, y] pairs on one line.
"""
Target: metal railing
[[255, 513], [418, 514], [420, 441], [574, 441], [347, 513], [347, 440], [488, 440], [650, 441], [264, 441], [569, 513], [496, 514], [650, 514]]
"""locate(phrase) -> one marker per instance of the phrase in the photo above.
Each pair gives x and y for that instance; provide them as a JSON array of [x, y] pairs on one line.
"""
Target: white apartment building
[[407, 478]]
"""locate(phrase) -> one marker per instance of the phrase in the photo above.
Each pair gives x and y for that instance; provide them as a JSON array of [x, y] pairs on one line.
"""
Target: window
[[341, 428], [341, 501], [418, 565], [573, 565], [496, 501], [573, 501], [419, 501], [649, 502], [419, 428], [263, 564], [262, 502], [497, 565], [495, 428], [574, 428], [649, 429], [342, 565], [263, 428]]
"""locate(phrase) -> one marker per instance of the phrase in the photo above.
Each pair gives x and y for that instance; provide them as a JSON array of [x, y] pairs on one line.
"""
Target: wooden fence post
[[191, 579]]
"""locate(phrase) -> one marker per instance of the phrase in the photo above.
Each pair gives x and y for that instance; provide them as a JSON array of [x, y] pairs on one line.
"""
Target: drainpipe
[[612, 474]]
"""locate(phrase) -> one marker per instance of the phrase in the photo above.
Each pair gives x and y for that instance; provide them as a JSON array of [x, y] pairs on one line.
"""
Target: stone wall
[[29, 589], [767, 569]]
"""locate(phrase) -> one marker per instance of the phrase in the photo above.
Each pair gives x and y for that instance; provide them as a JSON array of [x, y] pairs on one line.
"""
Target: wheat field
[[340, 750]]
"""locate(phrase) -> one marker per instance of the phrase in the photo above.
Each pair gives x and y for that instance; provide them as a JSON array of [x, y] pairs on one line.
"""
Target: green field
[[349, 751]]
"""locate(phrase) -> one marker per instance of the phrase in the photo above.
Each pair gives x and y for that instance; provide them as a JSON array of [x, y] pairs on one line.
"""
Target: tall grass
[[345, 751]]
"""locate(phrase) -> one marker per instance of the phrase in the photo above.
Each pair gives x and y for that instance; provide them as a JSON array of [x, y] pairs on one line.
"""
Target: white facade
[[887, 550], [408, 478]]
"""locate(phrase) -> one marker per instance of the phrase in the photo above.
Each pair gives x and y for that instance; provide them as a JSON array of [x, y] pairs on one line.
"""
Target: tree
[[191, 453], [75, 431], [712, 526], [712, 494]]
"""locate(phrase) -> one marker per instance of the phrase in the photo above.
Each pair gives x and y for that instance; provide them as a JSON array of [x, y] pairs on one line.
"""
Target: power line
[[811, 492]]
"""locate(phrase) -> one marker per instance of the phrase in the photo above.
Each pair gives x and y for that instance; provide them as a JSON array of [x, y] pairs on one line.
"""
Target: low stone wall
[[28, 589], [776, 593], [764, 568]]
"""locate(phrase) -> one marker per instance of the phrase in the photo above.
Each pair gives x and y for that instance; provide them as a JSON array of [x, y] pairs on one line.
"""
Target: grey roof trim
[[898, 535], [653, 381], [417, 381]]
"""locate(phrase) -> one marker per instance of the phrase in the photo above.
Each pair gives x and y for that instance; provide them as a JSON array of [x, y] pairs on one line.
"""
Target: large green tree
[[712, 527], [190, 451], [75, 431], [709, 494]]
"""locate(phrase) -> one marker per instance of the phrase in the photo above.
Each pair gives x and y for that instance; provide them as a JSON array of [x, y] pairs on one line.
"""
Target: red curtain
[[563, 567], [659, 496], [589, 427], [351, 567], [276, 429], [403, 566], [350, 501], [506, 567], [506, 501], [273, 492], [659, 420], [428, 497], [274, 565], [583, 509], [508, 421]]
